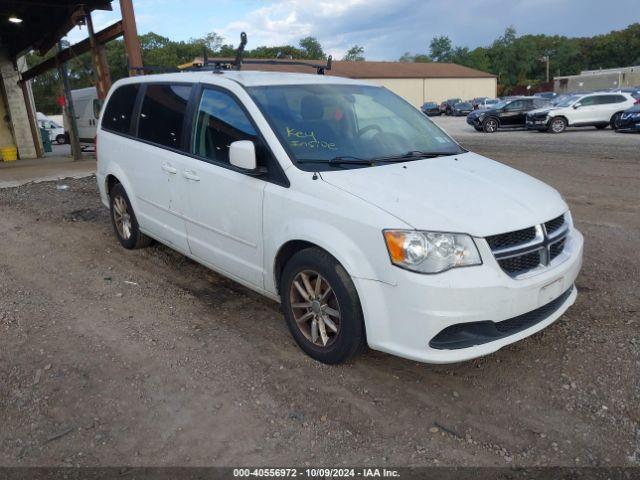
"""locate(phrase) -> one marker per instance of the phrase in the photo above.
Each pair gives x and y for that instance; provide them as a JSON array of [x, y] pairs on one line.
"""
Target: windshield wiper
[[351, 160]]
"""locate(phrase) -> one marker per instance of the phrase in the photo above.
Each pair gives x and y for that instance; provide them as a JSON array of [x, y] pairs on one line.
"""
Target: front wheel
[[61, 139], [322, 307], [558, 125], [615, 121], [490, 125]]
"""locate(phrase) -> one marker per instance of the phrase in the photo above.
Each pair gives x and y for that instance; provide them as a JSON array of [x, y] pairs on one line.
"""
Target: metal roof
[[43, 22]]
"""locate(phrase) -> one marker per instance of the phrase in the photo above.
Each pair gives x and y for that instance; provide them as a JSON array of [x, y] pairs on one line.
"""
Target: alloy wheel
[[121, 217], [557, 125], [491, 126], [315, 308]]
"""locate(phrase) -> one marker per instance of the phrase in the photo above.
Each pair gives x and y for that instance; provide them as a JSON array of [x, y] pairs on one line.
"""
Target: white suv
[[599, 110], [343, 202]]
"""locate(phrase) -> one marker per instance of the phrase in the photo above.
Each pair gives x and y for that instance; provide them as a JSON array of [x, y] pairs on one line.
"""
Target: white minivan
[[343, 202]]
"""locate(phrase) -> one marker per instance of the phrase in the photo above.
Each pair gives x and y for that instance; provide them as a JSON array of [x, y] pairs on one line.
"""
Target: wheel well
[[111, 181], [285, 253], [562, 117]]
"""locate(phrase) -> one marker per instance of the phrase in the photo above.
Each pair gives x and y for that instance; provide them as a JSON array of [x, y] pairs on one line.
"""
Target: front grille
[[510, 239], [554, 225], [521, 251], [556, 248], [521, 263]]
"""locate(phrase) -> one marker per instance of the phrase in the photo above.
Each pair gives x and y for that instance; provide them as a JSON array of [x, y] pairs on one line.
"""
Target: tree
[[312, 49], [441, 49], [354, 54], [417, 58]]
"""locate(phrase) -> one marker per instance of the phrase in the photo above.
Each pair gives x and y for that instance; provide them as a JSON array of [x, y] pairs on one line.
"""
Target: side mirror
[[242, 154], [576, 105]]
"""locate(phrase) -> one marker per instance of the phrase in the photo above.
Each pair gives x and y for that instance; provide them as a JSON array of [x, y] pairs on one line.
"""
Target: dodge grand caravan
[[343, 202]]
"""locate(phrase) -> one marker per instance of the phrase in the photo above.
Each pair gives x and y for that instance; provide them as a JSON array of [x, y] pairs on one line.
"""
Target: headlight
[[430, 252]]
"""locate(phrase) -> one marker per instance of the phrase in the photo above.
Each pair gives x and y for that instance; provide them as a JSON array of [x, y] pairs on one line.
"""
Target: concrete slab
[[22, 172]]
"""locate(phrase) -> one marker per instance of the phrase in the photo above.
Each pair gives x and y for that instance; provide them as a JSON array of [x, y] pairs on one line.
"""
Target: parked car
[[547, 95], [446, 107], [462, 109], [599, 110], [55, 131], [630, 120], [506, 114], [487, 103], [335, 197], [431, 109]]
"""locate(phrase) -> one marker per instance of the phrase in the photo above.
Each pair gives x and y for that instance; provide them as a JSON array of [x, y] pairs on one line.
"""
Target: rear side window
[[221, 121], [162, 114], [605, 99], [117, 116]]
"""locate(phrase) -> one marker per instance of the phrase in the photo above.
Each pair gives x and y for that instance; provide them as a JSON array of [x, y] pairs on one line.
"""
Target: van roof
[[246, 78]]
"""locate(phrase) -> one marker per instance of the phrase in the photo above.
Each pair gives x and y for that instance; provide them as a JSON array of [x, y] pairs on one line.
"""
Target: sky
[[385, 28]]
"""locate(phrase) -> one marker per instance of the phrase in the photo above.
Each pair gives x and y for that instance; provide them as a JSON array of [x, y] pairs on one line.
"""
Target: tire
[[490, 125], [615, 120], [61, 139], [557, 125], [341, 337], [123, 220]]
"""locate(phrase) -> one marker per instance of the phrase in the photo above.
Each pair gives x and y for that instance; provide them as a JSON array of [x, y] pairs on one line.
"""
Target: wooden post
[[131, 42], [100, 66], [69, 110]]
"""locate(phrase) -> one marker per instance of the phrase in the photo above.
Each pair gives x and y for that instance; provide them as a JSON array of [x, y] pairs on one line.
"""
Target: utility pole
[[131, 42], [69, 110], [545, 58]]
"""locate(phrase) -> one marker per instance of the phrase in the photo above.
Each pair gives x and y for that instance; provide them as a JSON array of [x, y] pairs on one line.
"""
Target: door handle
[[190, 175], [169, 169]]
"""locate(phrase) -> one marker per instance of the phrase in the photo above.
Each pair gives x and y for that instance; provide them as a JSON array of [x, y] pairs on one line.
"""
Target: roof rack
[[218, 65], [221, 64]]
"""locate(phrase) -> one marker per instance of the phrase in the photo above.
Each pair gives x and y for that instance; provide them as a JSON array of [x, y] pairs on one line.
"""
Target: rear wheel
[[123, 219], [322, 307], [61, 139], [615, 121], [490, 125], [557, 125]]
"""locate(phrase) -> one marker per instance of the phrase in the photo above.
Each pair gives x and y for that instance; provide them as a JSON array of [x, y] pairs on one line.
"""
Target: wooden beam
[[102, 37], [131, 42]]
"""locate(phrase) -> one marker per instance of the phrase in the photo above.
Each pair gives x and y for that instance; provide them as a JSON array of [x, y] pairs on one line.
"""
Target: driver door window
[[220, 122]]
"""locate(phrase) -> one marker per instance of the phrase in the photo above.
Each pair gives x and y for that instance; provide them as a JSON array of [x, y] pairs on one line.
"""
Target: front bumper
[[537, 123], [474, 121], [629, 125], [403, 319]]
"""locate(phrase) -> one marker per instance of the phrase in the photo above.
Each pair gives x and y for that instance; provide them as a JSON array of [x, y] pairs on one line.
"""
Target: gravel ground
[[111, 357]]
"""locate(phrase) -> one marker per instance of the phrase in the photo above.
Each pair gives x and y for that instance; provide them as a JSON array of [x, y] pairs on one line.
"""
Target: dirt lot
[[110, 357]]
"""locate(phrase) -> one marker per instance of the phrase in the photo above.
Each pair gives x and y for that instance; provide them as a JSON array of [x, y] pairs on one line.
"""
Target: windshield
[[319, 124], [565, 102], [463, 105], [500, 104]]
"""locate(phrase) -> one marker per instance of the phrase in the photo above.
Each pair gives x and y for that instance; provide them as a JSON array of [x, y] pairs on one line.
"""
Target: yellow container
[[9, 154]]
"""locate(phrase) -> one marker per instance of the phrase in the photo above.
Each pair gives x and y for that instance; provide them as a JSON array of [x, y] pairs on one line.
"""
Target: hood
[[541, 110], [464, 193]]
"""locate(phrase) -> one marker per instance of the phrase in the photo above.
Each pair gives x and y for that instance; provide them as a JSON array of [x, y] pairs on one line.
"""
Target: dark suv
[[510, 113]]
